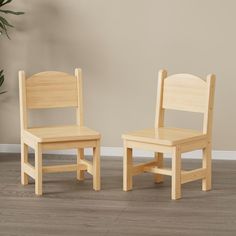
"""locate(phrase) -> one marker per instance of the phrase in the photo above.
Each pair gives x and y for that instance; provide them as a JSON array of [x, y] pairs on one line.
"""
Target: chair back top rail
[[51, 89], [185, 92]]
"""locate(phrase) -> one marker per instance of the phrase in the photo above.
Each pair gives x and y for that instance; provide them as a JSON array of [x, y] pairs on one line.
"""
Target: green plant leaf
[[4, 29], [1, 80], [4, 2], [12, 12], [5, 22]]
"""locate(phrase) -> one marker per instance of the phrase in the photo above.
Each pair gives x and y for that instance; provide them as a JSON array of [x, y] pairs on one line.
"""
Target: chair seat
[[61, 133], [164, 136]]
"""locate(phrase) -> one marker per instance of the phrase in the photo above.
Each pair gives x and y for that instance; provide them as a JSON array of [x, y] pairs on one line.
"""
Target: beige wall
[[120, 45]]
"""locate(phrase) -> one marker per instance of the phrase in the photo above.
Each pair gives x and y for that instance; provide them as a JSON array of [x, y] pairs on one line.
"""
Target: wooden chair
[[183, 92], [55, 90]]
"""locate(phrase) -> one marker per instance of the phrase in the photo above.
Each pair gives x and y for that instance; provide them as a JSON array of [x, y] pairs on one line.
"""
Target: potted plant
[[4, 26]]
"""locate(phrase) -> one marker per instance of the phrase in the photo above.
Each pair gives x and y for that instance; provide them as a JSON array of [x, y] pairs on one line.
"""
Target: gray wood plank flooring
[[72, 208]]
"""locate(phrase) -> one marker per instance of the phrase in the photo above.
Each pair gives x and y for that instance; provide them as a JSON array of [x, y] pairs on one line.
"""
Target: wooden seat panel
[[164, 136], [62, 133]]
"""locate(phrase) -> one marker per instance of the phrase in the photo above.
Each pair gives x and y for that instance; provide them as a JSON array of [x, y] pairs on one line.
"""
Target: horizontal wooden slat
[[185, 92], [156, 170], [29, 170], [192, 175], [148, 146], [139, 168], [63, 168], [69, 145], [88, 164], [193, 145], [50, 90]]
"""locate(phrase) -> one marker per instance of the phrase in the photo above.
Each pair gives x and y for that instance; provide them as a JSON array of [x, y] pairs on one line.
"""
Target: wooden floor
[[71, 208]]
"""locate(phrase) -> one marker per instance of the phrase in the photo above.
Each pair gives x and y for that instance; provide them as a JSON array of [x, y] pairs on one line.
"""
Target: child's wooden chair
[[55, 90], [183, 92]]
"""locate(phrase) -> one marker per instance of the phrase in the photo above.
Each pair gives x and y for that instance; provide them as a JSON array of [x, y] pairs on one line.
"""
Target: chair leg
[[24, 159], [176, 174], [127, 169], [38, 169], [160, 163], [96, 167], [80, 156], [206, 163]]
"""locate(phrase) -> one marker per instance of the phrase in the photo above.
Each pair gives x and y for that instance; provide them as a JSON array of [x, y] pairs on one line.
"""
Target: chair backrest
[[50, 89], [185, 92]]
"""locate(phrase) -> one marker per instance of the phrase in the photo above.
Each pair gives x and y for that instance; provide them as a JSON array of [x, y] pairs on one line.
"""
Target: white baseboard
[[118, 152]]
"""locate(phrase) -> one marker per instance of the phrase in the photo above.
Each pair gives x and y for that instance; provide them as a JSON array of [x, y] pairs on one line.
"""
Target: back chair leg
[[80, 156], [96, 167], [24, 159], [206, 163], [127, 169], [176, 174], [38, 169], [160, 164]]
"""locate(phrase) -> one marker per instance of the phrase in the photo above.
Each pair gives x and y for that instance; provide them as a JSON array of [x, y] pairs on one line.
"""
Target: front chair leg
[[160, 164], [96, 167], [24, 159], [206, 163], [127, 169], [176, 174], [38, 169], [80, 156]]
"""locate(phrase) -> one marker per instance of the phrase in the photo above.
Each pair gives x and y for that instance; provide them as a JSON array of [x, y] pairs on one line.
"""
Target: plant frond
[[12, 12]]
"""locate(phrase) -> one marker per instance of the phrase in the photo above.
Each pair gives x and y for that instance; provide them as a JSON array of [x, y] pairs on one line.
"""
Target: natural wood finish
[[62, 133], [193, 145], [50, 90], [69, 145], [89, 166], [188, 176], [159, 178], [63, 168], [80, 108], [206, 164], [29, 170], [148, 146], [165, 136], [176, 174], [24, 160], [80, 156], [159, 121], [96, 167], [22, 93], [127, 169], [38, 170], [208, 113], [156, 170], [139, 168], [183, 92]]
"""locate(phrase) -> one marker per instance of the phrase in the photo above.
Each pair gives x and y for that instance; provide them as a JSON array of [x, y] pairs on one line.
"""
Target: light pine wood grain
[[182, 92], [127, 169], [185, 92], [52, 89]]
